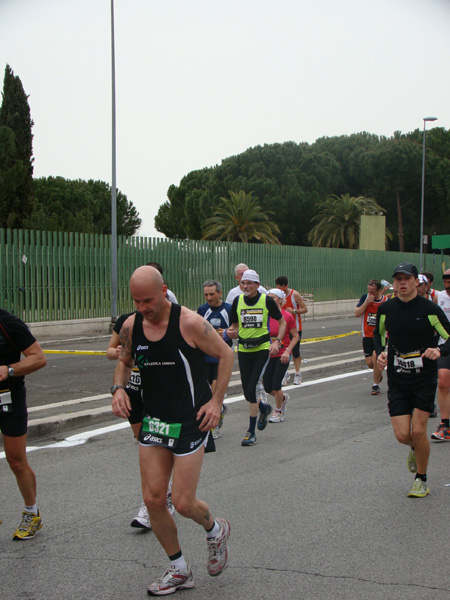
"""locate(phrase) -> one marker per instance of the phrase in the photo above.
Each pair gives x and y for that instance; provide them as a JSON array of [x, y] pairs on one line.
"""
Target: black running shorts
[[368, 346], [191, 440], [443, 362], [212, 368], [15, 422], [296, 348], [405, 397]]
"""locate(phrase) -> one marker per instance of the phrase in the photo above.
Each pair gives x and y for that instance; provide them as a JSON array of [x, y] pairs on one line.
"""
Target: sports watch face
[[114, 388]]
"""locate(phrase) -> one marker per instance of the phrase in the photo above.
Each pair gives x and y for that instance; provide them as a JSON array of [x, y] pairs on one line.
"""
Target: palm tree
[[240, 219], [338, 221]]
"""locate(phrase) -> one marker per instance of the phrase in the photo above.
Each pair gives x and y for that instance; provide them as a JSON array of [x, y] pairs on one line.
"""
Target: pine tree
[[16, 154]]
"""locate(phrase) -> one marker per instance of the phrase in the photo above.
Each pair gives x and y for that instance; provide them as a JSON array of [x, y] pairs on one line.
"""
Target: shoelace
[[26, 520], [214, 544], [167, 575]]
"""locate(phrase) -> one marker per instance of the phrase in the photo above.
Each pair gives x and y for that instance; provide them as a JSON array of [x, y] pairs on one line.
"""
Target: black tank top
[[173, 374]]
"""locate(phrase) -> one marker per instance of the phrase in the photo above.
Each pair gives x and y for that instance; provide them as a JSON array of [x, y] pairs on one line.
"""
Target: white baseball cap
[[250, 275]]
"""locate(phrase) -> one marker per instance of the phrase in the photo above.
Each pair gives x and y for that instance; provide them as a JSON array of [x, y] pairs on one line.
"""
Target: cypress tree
[[16, 154]]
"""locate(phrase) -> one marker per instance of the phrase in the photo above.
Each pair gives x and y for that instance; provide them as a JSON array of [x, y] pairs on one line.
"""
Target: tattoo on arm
[[125, 342], [208, 328]]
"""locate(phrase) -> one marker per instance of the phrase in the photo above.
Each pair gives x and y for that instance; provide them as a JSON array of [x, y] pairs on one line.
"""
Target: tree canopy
[[338, 221], [77, 205], [51, 203], [240, 219], [16, 153], [293, 180]]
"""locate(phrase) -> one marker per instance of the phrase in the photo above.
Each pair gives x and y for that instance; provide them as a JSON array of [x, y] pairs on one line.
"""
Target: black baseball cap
[[407, 268]]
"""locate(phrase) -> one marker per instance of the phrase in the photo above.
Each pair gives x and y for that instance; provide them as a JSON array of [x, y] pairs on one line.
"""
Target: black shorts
[[273, 375], [443, 362], [368, 347], [296, 348], [14, 423], [191, 440], [212, 368], [405, 397]]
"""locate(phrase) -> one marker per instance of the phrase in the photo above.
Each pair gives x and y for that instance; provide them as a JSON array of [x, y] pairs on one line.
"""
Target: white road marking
[[81, 438]]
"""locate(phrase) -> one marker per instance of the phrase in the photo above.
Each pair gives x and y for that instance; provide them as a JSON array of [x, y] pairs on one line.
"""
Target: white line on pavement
[[81, 438]]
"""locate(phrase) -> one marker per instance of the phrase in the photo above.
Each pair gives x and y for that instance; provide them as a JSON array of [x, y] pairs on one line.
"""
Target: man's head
[[374, 288], [446, 281], [239, 271], [406, 268], [430, 278], [156, 266], [148, 291], [422, 285], [213, 292], [282, 282], [250, 283], [405, 278]]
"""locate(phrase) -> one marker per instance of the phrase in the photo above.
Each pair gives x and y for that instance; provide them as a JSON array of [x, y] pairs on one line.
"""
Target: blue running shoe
[[263, 417], [249, 439]]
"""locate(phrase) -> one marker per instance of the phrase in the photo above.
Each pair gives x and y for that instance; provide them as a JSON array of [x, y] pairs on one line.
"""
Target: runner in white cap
[[250, 323]]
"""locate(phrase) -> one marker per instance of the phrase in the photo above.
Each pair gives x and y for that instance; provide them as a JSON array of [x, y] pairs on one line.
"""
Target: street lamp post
[[114, 284], [422, 198]]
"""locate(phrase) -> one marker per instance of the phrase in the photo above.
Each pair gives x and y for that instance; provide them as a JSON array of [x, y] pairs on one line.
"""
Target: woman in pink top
[[277, 365]]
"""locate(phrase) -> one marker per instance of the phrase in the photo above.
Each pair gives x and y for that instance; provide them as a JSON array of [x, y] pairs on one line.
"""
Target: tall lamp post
[[422, 198], [114, 284]]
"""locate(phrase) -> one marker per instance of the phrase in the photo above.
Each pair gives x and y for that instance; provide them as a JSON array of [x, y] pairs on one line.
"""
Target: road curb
[[55, 425]]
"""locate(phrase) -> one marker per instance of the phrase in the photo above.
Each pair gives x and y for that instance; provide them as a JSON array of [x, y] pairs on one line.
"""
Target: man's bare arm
[[33, 361], [121, 406], [302, 308]]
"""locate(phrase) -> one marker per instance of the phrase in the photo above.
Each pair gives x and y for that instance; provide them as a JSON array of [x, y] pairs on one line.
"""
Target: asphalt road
[[318, 509], [70, 376]]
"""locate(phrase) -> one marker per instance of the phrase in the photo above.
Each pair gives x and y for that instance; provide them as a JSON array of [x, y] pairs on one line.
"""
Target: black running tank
[[173, 375]]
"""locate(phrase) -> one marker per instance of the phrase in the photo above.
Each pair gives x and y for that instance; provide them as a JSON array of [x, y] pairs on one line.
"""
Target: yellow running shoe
[[412, 462], [419, 489], [28, 527]]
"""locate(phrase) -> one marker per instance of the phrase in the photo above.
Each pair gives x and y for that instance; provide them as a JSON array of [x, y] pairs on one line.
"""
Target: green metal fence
[[51, 276]]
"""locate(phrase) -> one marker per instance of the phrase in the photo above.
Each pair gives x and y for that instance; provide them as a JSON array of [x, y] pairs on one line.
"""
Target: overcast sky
[[200, 80]]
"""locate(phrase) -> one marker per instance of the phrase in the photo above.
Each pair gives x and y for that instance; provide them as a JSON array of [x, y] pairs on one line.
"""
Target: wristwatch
[[10, 371], [279, 341], [114, 388]]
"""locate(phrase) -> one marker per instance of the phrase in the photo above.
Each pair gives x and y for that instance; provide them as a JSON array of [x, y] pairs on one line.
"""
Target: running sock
[[177, 561], [446, 422], [422, 476], [252, 425], [214, 531], [32, 509]]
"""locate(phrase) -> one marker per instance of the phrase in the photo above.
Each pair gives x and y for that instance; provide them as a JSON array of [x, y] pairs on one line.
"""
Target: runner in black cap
[[411, 323]]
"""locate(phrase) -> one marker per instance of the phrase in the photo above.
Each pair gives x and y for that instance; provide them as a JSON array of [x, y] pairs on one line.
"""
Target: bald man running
[[168, 342]]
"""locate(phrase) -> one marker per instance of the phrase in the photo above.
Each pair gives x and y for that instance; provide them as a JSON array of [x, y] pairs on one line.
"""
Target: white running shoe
[[261, 392], [172, 580], [142, 520], [216, 433], [217, 549], [276, 417], [286, 378], [284, 404], [297, 379]]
